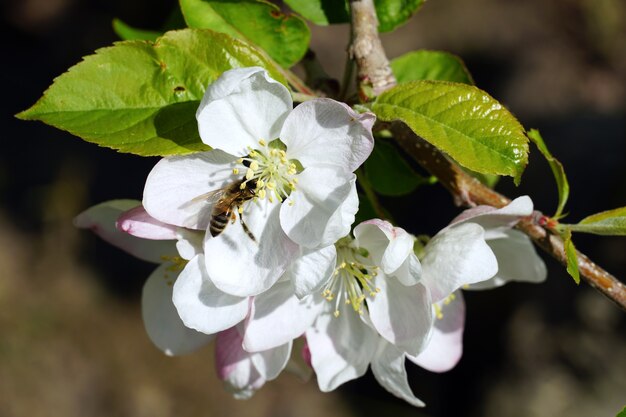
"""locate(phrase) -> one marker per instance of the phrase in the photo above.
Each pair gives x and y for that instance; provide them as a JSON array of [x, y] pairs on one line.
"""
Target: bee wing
[[200, 208]]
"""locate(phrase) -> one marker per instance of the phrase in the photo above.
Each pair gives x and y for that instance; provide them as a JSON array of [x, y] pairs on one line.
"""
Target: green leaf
[[622, 413], [285, 38], [430, 65], [389, 173], [557, 170], [461, 120], [394, 13], [141, 97], [608, 223], [489, 180], [572, 257], [129, 33], [390, 13]]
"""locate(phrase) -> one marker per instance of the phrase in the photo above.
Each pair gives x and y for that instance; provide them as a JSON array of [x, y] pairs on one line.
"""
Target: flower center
[[272, 173], [352, 280]]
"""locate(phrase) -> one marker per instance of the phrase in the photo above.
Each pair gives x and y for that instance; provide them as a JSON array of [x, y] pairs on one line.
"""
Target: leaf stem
[[371, 196]]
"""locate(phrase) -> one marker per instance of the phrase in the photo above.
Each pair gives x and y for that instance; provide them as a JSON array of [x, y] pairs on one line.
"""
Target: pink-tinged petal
[[234, 365], [517, 261], [400, 314], [101, 219], [189, 243], [241, 107], [341, 349], [163, 325], [311, 269], [139, 223], [176, 189], [445, 348], [322, 208], [241, 266], [326, 132], [202, 306], [270, 363], [455, 257], [388, 369], [277, 317], [492, 218], [376, 235]]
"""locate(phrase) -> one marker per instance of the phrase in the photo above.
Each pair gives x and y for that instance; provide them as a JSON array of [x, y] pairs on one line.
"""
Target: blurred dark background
[[72, 340]]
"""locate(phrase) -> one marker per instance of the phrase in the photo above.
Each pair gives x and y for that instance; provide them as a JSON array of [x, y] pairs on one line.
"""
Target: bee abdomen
[[218, 223]]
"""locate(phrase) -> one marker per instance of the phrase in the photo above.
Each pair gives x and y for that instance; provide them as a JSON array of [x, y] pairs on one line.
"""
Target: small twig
[[374, 74], [373, 67], [348, 71]]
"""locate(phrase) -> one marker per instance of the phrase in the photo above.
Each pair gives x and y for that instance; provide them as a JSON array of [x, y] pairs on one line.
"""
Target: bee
[[227, 203]]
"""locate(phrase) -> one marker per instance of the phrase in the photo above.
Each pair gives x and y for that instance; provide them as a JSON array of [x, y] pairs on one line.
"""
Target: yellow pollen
[[254, 165], [271, 185], [438, 312], [249, 174], [240, 161], [336, 313], [291, 202], [262, 142], [261, 194], [242, 186], [235, 171], [260, 184], [240, 209]]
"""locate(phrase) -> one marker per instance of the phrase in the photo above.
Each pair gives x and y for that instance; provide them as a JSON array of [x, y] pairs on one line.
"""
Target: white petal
[[139, 223], [326, 132], [175, 189], [457, 256], [311, 269], [402, 315], [341, 349], [388, 369], [241, 266], [271, 362], [492, 218], [445, 347], [395, 242], [234, 365], [202, 306], [161, 319], [101, 220], [517, 261], [242, 106], [323, 209], [410, 272], [277, 317], [189, 243]]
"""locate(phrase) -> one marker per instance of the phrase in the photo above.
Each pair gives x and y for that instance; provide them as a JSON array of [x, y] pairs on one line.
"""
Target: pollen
[[235, 171]]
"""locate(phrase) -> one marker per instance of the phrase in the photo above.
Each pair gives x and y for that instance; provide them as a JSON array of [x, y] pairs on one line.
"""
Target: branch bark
[[375, 75]]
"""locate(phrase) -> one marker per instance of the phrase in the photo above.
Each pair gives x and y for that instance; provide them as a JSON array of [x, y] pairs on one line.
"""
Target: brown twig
[[465, 189]]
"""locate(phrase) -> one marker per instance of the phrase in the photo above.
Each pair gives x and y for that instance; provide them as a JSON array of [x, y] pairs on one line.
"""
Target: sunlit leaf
[[285, 38], [557, 170], [140, 97], [610, 223], [430, 65], [572, 257], [461, 120]]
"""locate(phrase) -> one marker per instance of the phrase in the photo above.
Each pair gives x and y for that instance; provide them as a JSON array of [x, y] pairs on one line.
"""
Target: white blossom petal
[[101, 220], [202, 306], [139, 223], [271, 362], [491, 218], [445, 348], [410, 272], [189, 243], [402, 315], [323, 209], [455, 257], [161, 320], [341, 349], [388, 369], [175, 191], [517, 261], [241, 266], [395, 242], [326, 132], [234, 365], [277, 317], [311, 269], [241, 107]]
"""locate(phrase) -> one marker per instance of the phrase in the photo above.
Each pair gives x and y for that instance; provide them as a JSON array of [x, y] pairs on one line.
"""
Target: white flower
[[148, 239], [373, 310], [515, 258], [303, 184]]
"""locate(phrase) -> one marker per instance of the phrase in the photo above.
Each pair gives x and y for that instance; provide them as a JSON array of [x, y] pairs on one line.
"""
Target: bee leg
[[233, 217], [245, 228]]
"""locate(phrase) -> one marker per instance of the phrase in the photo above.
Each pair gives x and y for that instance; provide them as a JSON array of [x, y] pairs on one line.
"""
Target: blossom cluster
[[255, 248]]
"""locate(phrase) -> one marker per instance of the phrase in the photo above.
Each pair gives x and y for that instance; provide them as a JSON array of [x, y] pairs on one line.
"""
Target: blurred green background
[[72, 342]]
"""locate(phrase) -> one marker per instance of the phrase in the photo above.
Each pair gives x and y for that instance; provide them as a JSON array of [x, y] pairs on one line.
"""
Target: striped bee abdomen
[[218, 223]]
